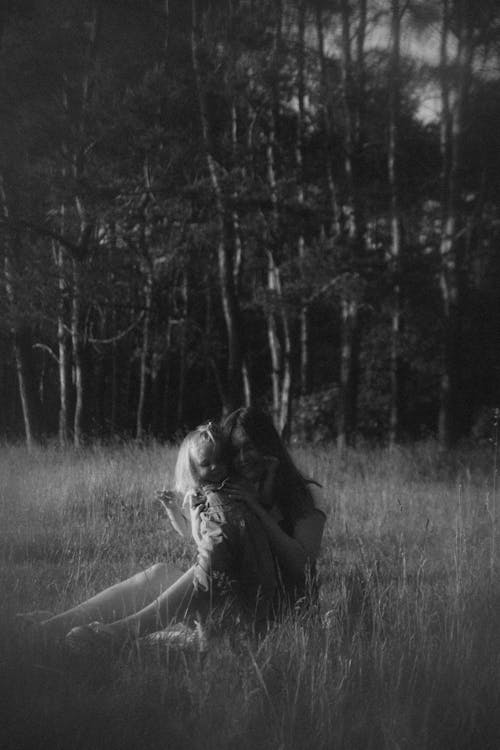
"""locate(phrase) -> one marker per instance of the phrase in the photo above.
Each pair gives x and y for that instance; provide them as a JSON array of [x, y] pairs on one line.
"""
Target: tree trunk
[[453, 99], [22, 380], [76, 341], [235, 219], [280, 351], [272, 326], [353, 226], [395, 219], [230, 307], [183, 349], [280, 348], [285, 415], [348, 307], [86, 226], [273, 339], [238, 257], [62, 349], [334, 219], [166, 382], [247, 384], [345, 418], [299, 168], [143, 362], [360, 107], [21, 369]]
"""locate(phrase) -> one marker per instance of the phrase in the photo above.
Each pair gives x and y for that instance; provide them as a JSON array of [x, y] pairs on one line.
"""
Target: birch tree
[[225, 257], [350, 290], [280, 342], [456, 60], [394, 213], [15, 330], [299, 163]]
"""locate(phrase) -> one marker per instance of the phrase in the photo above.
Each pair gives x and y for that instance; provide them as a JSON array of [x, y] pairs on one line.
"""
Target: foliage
[[103, 159]]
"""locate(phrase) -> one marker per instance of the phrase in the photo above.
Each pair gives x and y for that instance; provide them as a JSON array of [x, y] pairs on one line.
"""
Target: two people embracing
[[257, 527]]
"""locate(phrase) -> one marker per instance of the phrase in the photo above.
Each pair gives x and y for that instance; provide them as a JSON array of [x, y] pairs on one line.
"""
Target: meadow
[[405, 654]]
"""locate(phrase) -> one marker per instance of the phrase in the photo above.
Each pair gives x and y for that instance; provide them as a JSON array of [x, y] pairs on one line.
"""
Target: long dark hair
[[292, 494]]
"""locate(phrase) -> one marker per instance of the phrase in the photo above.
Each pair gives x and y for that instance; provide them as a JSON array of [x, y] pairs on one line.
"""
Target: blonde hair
[[185, 473]]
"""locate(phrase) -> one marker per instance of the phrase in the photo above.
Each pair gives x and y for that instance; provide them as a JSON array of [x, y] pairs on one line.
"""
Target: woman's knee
[[162, 575], [151, 575], [158, 571]]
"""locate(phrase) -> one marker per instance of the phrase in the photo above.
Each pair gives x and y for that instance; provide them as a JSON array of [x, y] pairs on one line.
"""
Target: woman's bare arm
[[295, 552]]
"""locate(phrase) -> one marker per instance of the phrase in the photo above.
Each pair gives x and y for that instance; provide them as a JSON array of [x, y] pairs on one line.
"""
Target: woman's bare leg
[[179, 601], [117, 601]]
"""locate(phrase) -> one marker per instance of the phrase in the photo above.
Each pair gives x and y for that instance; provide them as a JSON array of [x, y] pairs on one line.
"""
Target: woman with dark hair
[[293, 522]]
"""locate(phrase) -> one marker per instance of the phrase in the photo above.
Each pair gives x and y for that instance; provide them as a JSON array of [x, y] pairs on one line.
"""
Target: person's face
[[248, 460], [209, 465]]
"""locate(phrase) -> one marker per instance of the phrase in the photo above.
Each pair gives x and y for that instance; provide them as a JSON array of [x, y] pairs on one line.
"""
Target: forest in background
[[210, 203]]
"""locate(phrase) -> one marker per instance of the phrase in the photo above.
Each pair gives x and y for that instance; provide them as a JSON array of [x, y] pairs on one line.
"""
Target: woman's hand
[[247, 492], [243, 492]]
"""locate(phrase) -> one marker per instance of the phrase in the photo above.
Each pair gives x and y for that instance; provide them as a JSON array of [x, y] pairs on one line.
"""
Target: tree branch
[[46, 348], [76, 251], [118, 336]]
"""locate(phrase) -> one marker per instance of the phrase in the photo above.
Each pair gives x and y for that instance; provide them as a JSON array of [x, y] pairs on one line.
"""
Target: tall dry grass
[[404, 655]]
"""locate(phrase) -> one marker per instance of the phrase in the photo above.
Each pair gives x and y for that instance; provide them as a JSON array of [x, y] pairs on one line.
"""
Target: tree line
[[218, 202]]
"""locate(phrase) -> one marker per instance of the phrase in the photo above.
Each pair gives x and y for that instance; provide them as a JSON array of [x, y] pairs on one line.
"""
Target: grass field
[[406, 654]]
